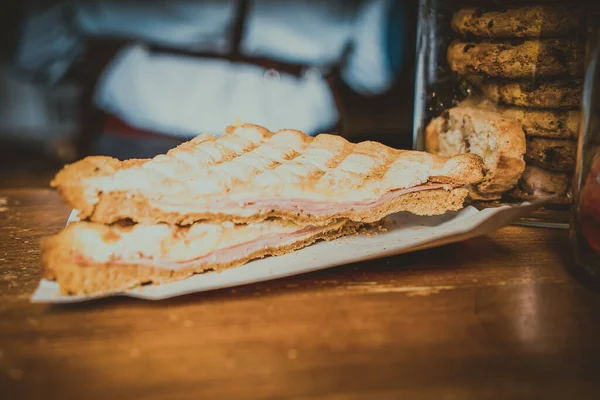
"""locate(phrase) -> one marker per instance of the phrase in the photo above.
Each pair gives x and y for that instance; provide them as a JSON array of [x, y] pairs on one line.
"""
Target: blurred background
[[133, 78]]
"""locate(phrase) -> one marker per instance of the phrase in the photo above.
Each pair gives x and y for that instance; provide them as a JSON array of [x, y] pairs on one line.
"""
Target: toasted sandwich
[[89, 257], [250, 174], [211, 203]]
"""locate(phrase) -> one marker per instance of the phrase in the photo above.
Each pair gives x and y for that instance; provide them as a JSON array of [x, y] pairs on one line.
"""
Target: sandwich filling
[[310, 207]]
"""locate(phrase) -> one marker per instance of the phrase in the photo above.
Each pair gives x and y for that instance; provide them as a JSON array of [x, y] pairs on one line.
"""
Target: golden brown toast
[[89, 257], [250, 174]]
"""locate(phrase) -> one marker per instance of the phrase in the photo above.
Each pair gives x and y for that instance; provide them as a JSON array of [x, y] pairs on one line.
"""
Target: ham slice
[[319, 208], [305, 207]]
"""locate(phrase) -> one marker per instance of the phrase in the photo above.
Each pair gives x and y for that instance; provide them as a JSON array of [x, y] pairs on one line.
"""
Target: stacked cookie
[[525, 64]]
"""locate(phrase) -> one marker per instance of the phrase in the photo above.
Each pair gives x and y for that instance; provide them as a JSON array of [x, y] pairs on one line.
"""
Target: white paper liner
[[405, 233]]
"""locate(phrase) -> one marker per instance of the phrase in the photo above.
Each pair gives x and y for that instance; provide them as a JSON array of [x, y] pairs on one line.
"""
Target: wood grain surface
[[496, 317]]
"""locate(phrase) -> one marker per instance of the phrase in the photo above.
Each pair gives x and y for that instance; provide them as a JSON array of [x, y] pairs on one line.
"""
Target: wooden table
[[494, 317]]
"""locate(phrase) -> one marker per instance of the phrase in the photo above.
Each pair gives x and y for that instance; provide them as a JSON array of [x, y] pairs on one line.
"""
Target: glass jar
[[585, 222], [504, 80]]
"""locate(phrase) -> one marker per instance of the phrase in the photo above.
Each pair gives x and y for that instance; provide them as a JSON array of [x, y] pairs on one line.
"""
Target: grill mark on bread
[[191, 154], [389, 157], [315, 172], [222, 153], [341, 156], [225, 147], [339, 149], [343, 172], [227, 154], [275, 151], [289, 157], [297, 173]]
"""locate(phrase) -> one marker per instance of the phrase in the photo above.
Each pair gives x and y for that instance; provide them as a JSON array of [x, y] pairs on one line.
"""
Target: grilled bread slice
[[89, 257], [250, 174]]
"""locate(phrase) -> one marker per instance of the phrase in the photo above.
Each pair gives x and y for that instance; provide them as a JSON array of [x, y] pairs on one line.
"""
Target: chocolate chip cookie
[[548, 94], [545, 123], [552, 124], [517, 59], [552, 154], [537, 183], [518, 22]]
